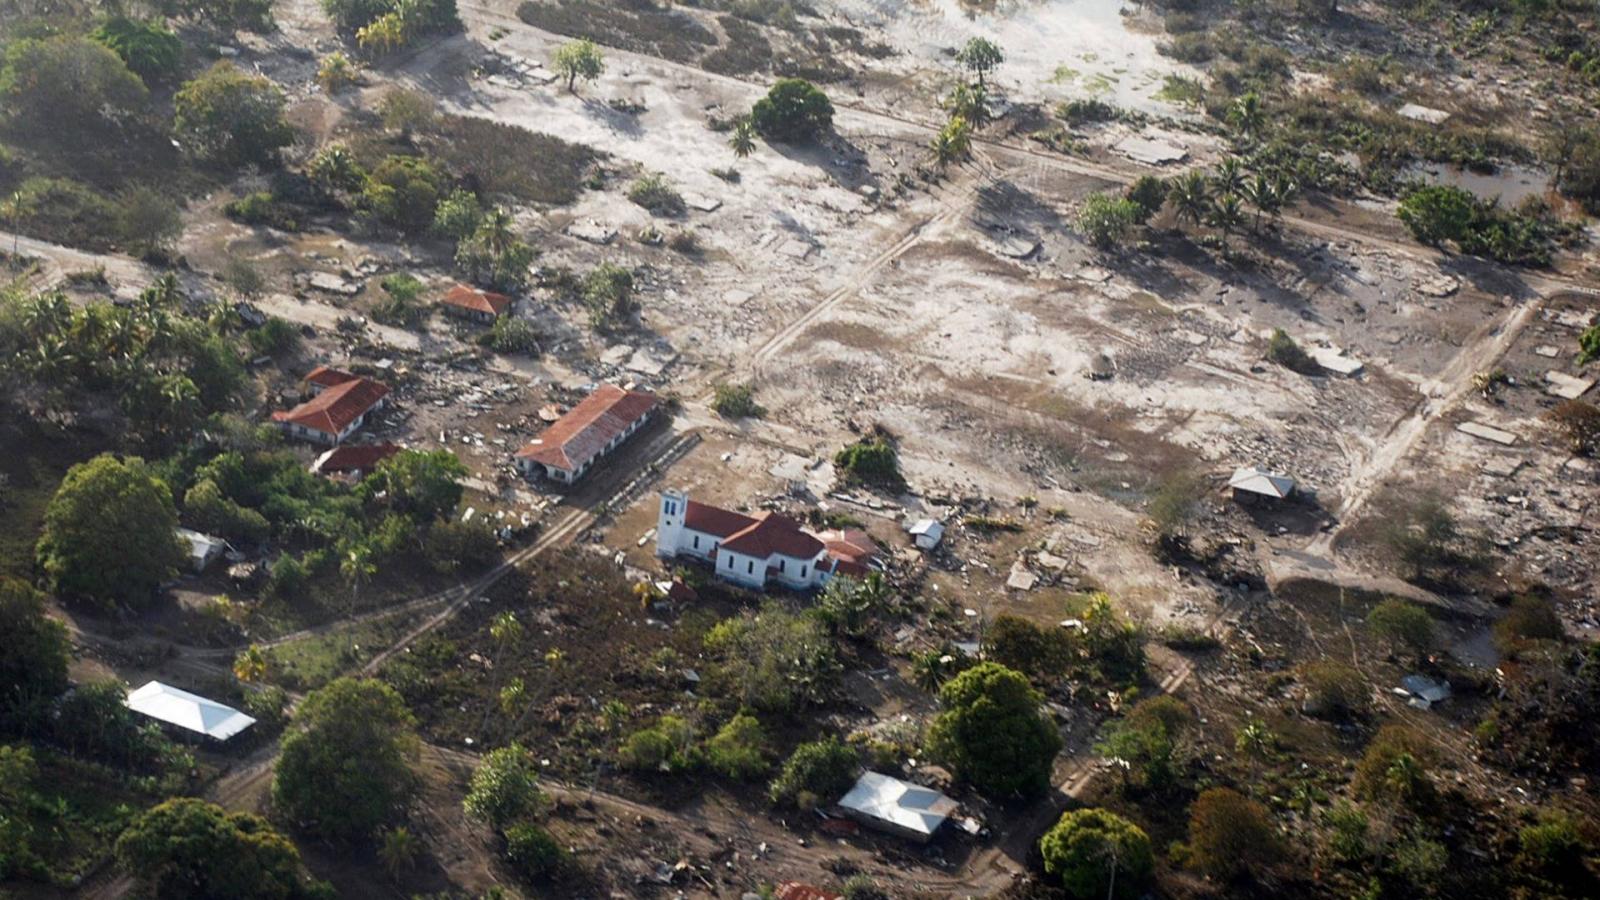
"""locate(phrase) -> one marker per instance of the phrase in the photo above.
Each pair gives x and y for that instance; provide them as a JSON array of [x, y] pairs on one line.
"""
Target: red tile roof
[[851, 544], [587, 428], [772, 533], [354, 458], [332, 411], [799, 890], [328, 376], [475, 300], [714, 519]]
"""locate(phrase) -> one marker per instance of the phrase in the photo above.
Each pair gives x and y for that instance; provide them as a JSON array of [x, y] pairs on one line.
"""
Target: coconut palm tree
[[952, 143], [251, 664], [16, 209], [970, 102], [506, 630], [1190, 196], [1228, 177], [1255, 741], [1246, 115], [743, 138], [1262, 194], [399, 851], [1226, 215]]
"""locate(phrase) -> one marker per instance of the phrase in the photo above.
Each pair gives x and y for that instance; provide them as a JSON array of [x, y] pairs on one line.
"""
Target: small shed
[[187, 711], [898, 807], [203, 548], [1250, 482], [927, 533], [1423, 692]]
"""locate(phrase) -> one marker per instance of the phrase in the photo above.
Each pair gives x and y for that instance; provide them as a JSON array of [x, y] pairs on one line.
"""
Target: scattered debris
[[1419, 113], [1566, 386], [1487, 432], [1150, 152]]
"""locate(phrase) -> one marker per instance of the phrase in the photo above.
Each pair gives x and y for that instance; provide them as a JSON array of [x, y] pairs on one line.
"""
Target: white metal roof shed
[[1254, 481], [188, 711], [898, 806]]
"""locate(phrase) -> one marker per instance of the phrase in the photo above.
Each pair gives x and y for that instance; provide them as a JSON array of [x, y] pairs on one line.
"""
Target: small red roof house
[[339, 405], [352, 462], [751, 550], [590, 430], [471, 303]]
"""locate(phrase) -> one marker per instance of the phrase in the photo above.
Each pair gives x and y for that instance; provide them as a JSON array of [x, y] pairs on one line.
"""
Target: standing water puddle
[[1512, 184], [1055, 49]]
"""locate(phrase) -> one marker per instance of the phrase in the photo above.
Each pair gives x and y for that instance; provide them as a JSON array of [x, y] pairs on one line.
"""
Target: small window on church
[[750, 568], [697, 542]]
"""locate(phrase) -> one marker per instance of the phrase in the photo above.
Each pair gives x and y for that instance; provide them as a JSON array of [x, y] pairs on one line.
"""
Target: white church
[[754, 551]]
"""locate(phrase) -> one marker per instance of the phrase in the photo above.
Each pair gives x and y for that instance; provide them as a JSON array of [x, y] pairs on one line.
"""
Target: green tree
[[1589, 345], [458, 215], [505, 787], [1226, 215], [1145, 741], [351, 15], [1247, 116], [970, 102], [494, 255], [399, 850], [1148, 193], [33, 668], [404, 191], [227, 15], [188, 848], [738, 749], [67, 86], [1231, 835], [346, 768], [579, 59], [1438, 213], [1190, 197], [149, 49], [953, 142], [773, 660], [231, 119], [1553, 847], [335, 169], [1098, 854], [816, 772], [1395, 767], [423, 484], [1334, 690], [1404, 624], [532, 852], [992, 732], [1107, 220], [794, 111], [109, 533], [980, 56], [147, 220]]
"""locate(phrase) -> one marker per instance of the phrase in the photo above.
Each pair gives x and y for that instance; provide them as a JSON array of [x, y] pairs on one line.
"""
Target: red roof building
[[339, 406], [471, 303], [751, 550], [590, 430], [353, 461]]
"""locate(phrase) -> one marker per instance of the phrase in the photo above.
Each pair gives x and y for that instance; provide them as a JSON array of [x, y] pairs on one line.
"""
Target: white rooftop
[[1254, 481], [185, 710], [201, 546], [900, 803], [931, 527]]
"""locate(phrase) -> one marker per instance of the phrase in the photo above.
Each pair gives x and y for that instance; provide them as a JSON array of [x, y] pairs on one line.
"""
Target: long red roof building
[[593, 428]]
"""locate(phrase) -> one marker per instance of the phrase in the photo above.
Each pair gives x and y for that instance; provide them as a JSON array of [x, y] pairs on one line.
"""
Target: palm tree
[[505, 629], [1226, 214], [1262, 194], [46, 314], [1246, 115], [743, 138], [1190, 196], [953, 142], [180, 403], [357, 568], [1254, 740], [251, 664], [16, 208], [399, 850], [1405, 776], [1228, 178], [970, 102]]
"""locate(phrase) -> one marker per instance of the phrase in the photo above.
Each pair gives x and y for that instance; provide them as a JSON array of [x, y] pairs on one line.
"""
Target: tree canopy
[[794, 110], [1097, 853], [151, 50], [67, 85], [231, 119], [346, 767], [505, 787], [109, 533], [33, 668], [424, 484], [579, 59], [188, 848], [993, 733], [1230, 835], [980, 56], [817, 772]]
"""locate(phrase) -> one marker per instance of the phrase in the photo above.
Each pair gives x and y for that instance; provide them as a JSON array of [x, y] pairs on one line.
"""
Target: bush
[[68, 212], [533, 852], [992, 732], [259, 208], [667, 746], [1097, 854], [1282, 350], [511, 334], [1231, 835], [505, 787], [871, 460], [287, 578], [1405, 624], [68, 86], [655, 194], [607, 292], [33, 667], [208, 510], [1147, 740], [458, 215], [1395, 767], [1553, 848], [822, 769], [1084, 111], [1530, 618], [274, 337], [1106, 220], [149, 49], [1043, 653], [452, 544], [738, 749], [231, 119], [1579, 423], [399, 304], [1149, 193], [404, 191], [773, 660], [1334, 690], [187, 847], [794, 110], [108, 533], [736, 401]]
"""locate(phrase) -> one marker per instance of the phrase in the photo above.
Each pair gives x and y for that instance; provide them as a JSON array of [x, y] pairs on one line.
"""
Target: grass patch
[[505, 159], [32, 464], [313, 661], [641, 28], [80, 809]]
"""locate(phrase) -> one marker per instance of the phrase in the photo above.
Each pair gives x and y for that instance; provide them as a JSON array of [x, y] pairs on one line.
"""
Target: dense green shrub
[[871, 460], [33, 668], [68, 86], [108, 533], [1098, 854], [188, 848], [993, 733], [738, 749], [533, 852], [231, 119], [794, 110], [818, 772], [404, 192], [151, 50], [736, 401]]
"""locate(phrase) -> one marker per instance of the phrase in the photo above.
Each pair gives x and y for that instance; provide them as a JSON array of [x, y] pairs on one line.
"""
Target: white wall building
[[751, 550]]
